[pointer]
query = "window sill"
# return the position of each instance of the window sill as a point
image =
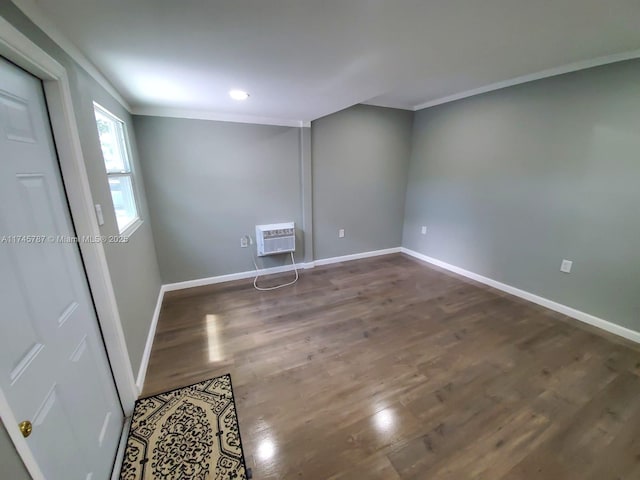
(131, 229)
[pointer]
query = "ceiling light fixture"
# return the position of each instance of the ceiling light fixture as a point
(238, 94)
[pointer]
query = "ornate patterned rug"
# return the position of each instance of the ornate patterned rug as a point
(187, 433)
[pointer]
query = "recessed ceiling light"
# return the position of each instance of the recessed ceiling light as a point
(238, 94)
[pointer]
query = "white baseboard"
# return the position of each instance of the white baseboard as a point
(122, 445)
(356, 256)
(545, 302)
(144, 363)
(201, 282)
(170, 287)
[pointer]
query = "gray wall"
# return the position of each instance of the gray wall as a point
(209, 183)
(360, 159)
(511, 182)
(133, 266)
(11, 464)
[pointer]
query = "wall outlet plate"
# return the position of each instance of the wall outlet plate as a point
(423, 230)
(341, 233)
(565, 266)
(244, 243)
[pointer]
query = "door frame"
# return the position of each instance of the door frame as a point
(19, 49)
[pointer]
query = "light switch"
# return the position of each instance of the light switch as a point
(99, 215)
(424, 230)
(341, 233)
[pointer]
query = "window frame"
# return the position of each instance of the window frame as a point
(129, 172)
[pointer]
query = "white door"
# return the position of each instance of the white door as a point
(53, 367)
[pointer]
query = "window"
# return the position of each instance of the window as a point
(115, 152)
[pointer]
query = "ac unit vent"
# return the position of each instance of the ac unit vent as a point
(276, 238)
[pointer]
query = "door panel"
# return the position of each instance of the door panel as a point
(53, 367)
(18, 126)
(56, 459)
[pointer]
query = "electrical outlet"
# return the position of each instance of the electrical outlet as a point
(341, 233)
(566, 266)
(424, 230)
(243, 242)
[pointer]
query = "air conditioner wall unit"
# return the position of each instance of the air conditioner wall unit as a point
(276, 238)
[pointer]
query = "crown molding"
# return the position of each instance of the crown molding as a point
(395, 106)
(217, 116)
(39, 18)
(551, 72)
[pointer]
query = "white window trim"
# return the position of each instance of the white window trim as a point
(134, 224)
(130, 229)
(18, 48)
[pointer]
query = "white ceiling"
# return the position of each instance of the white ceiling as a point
(303, 59)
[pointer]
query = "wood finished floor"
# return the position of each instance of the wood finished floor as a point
(386, 368)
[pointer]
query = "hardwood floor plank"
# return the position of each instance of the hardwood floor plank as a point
(385, 368)
(582, 436)
(376, 467)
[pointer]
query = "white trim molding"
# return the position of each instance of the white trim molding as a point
(584, 317)
(551, 72)
(201, 282)
(570, 312)
(27, 456)
(16, 47)
(37, 16)
(218, 116)
(355, 256)
(144, 363)
(122, 445)
(34, 12)
(23, 52)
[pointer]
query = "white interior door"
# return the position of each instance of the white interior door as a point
(53, 368)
